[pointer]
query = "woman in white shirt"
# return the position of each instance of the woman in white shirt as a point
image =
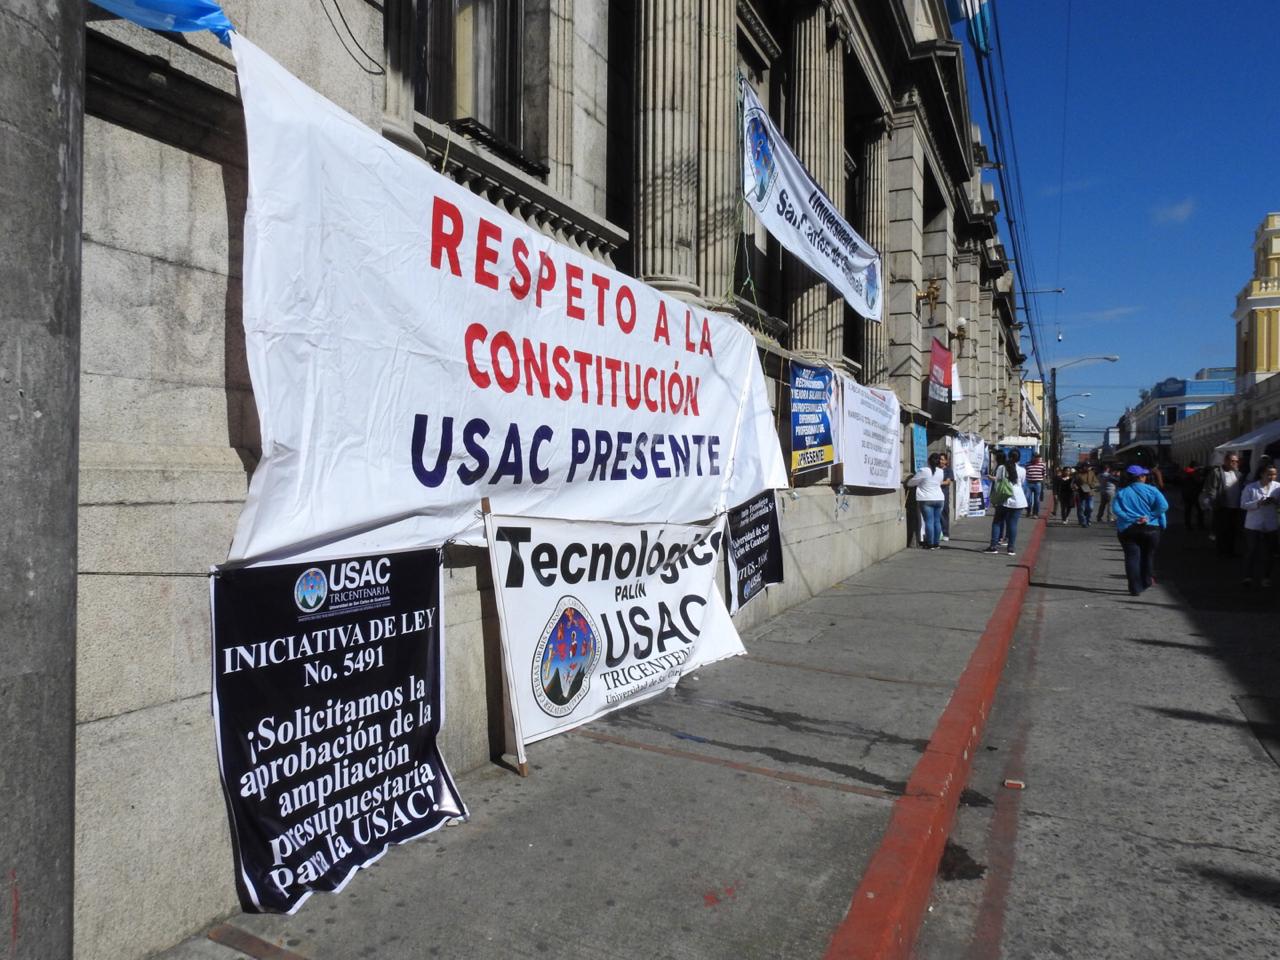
(1005, 522)
(930, 498)
(1259, 501)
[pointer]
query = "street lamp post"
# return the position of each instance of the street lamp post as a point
(1055, 444)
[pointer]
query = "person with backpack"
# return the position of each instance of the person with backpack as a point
(1083, 484)
(1009, 498)
(1108, 484)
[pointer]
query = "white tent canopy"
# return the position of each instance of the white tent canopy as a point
(1018, 442)
(1254, 442)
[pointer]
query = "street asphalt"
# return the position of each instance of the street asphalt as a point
(731, 818)
(1147, 733)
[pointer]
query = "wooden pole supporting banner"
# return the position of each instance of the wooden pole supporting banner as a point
(511, 715)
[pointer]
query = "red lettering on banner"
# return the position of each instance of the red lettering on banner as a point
(476, 333)
(503, 343)
(625, 296)
(546, 277)
(573, 286)
(520, 251)
(704, 345)
(446, 241)
(560, 360)
(601, 283)
(487, 253)
(660, 329)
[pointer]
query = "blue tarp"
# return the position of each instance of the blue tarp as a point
(180, 16)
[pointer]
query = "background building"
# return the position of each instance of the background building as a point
(1257, 334)
(612, 127)
(1146, 431)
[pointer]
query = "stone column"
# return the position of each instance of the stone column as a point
(41, 139)
(875, 204)
(666, 235)
(719, 166)
(817, 135)
(965, 413)
(397, 109)
(904, 259)
(986, 376)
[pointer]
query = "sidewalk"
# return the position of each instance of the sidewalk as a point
(732, 818)
(1147, 732)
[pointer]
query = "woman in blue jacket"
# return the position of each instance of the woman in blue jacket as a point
(1139, 509)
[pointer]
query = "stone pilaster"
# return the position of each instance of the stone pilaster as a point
(875, 205)
(666, 235)
(397, 109)
(817, 135)
(560, 97)
(986, 376)
(965, 413)
(904, 256)
(719, 169)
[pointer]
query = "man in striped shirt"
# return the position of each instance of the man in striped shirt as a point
(1035, 485)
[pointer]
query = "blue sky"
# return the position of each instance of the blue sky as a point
(1172, 158)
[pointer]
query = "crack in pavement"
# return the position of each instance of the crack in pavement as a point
(1171, 841)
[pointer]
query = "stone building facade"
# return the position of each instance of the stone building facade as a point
(613, 127)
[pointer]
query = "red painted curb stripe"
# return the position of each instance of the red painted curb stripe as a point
(889, 904)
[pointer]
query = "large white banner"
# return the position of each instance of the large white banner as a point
(598, 616)
(415, 349)
(870, 436)
(801, 216)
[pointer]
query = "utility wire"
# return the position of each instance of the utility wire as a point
(1062, 168)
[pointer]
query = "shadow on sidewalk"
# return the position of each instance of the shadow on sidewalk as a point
(1237, 624)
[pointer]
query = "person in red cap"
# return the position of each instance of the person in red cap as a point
(1140, 510)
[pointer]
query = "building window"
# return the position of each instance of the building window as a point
(468, 73)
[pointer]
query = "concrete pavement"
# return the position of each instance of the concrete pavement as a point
(731, 818)
(1150, 822)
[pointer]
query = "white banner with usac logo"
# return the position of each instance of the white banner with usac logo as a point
(598, 616)
(801, 216)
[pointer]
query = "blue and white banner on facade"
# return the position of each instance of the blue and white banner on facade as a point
(415, 349)
(814, 405)
(795, 210)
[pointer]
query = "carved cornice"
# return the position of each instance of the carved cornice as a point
(754, 26)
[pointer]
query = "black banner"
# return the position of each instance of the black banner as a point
(753, 549)
(327, 696)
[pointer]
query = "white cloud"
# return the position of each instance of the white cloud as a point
(1174, 212)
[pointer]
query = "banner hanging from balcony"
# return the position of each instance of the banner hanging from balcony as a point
(937, 389)
(327, 702)
(599, 616)
(415, 349)
(801, 216)
(870, 436)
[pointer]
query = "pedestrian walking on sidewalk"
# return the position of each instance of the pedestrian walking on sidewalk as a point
(928, 486)
(1009, 499)
(1140, 511)
(948, 494)
(1035, 485)
(1190, 483)
(1222, 491)
(1083, 484)
(1065, 493)
(1108, 484)
(1259, 500)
